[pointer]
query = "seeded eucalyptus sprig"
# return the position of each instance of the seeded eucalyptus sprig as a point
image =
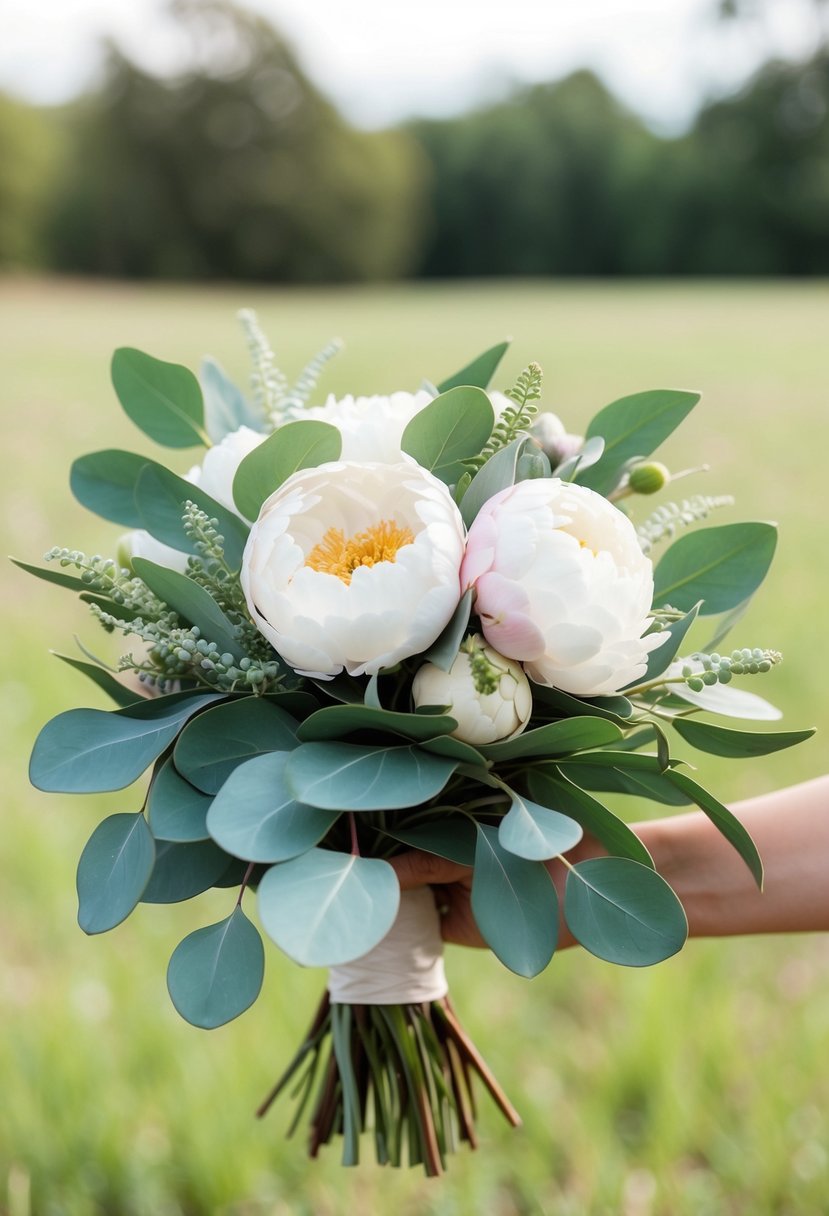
(104, 576)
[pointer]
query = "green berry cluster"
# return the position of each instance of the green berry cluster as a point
(720, 669)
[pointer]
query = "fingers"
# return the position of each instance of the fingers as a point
(417, 869)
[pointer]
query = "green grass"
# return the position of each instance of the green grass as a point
(698, 1088)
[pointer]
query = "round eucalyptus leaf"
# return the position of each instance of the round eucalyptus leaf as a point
(113, 871)
(255, 816)
(183, 870)
(249, 726)
(326, 908)
(175, 809)
(623, 912)
(350, 777)
(514, 904)
(216, 973)
(535, 832)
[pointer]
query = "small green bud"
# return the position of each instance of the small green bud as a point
(709, 678)
(725, 675)
(696, 684)
(648, 478)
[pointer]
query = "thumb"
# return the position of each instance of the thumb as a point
(418, 869)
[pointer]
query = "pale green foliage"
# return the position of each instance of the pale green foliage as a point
(517, 418)
(268, 382)
(297, 397)
(668, 519)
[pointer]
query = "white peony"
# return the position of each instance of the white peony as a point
(354, 565)
(563, 586)
(371, 427)
(482, 717)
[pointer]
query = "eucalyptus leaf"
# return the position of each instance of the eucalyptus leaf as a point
(449, 430)
(452, 835)
(589, 454)
(555, 739)
(514, 904)
(662, 657)
(255, 816)
(325, 908)
(192, 603)
(623, 912)
(499, 472)
(216, 973)
(162, 399)
(615, 709)
(454, 749)
(104, 482)
(349, 777)
(88, 751)
(293, 446)
(72, 582)
(210, 748)
(182, 870)
(444, 651)
(652, 786)
(225, 406)
(633, 426)
(737, 744)
(175, 809)
(337, 721)
(120, 693)
(551, 788)
(113, 871)
(721, 566)
(160, 497)
(480, 371)
(723, 819)
(536, 832)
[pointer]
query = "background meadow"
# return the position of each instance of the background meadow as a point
(697, 1088)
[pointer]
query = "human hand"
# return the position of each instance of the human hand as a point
(452, 887)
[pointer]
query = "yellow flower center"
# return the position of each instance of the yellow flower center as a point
(340, 556)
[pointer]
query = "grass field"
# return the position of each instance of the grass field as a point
(698, 1088)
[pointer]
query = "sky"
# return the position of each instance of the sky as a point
(382, 61)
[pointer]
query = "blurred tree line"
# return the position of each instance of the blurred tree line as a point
(239, 168)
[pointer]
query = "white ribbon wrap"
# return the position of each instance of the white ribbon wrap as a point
(405, 968)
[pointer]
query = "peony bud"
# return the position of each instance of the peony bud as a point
(487, 694)
(648, 478)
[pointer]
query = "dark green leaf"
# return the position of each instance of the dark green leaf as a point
(324, 908)
(163, 399)
(448, 431)
(623, 912)
(72, 581)
(216, 973)
(183, 870)
(514, 904)
(104, 482)
(652, 786)
(721, 566)
(347, 777)
(723, 820)
(664, 655)
(633, 426)
(479, 372)
(535, 832)
(255, 816)
(192, 603)
(113, 871)
(296, 445)
(225, 407)
(738, 744)
(454, 749)
(106, 681)
(175, 810)
(336, 721)
(160, 497)
(210, 748)
(452, 836)
(552, 789)
(614, 709)
(555, 739)
(88, 751)
(444, 651)
(497, 474)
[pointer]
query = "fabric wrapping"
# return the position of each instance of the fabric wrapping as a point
(405, 968)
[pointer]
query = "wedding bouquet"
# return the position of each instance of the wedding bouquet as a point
(424, 620)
